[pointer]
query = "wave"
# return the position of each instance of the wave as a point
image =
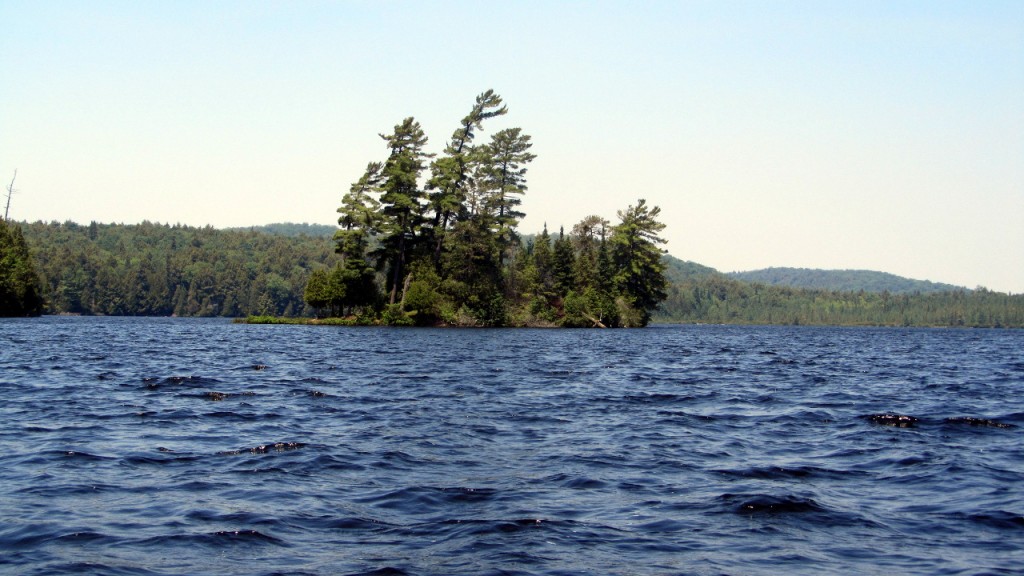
(789, 473)
(770, 504)
(215, 539)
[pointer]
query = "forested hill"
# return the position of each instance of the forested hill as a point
(842, 280)
(677, 271)
(292, 229)
(162, 270)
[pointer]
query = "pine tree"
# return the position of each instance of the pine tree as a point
(450, 174)
(640, 272)
(359, 209)
(542, 259)
(504, 162)
(563, 264)
(20, 288)
(402, 200)
(586, 238)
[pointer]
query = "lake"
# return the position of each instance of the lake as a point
(153, 446)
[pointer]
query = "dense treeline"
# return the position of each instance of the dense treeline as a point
(96, 269)
(442, 230)
(162, 270)
(843, 280)
(20, 290)
(716, 298)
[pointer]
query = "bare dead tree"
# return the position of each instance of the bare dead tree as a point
(10, 192)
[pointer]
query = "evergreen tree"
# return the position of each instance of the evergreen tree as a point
(354, 280)
(20, 291)
(605, 267)
(563, 264)
(586, 238)
(450, 173)
(360, 285)
(640, 272)
(543, 260)
(359, 210)
(317, 292)
(504, 162)
(402, 199)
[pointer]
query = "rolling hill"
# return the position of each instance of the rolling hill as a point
(842, 280)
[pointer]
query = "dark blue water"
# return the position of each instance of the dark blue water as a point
(171, 446)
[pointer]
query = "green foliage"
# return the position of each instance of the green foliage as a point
(452, 172)
(401, 199)
(20, 293)
(503, 178)
(393, 315)
(489, 308)
(722, 300)
(590, 309)
(154, 269)
(639, 270)
(563, 264)
(543, 261)
(318, 291)
(162, 270)
(424, 300)
(359, 215)
(264, 319)
(678, 271)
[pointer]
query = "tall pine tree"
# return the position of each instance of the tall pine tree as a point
(504, 162)
(450, 173)
(640, 272)
(402, 201)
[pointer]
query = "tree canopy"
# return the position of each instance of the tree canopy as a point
(152, 269)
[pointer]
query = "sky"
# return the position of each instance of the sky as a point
(881, 135)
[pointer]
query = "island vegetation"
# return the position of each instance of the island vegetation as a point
(442, 231)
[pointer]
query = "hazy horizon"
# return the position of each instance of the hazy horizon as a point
(866, 136)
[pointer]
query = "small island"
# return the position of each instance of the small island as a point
(448, 252)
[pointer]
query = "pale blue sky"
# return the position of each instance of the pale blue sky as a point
(876, 135)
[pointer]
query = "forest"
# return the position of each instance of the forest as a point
(718, 299)
(153, 269)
